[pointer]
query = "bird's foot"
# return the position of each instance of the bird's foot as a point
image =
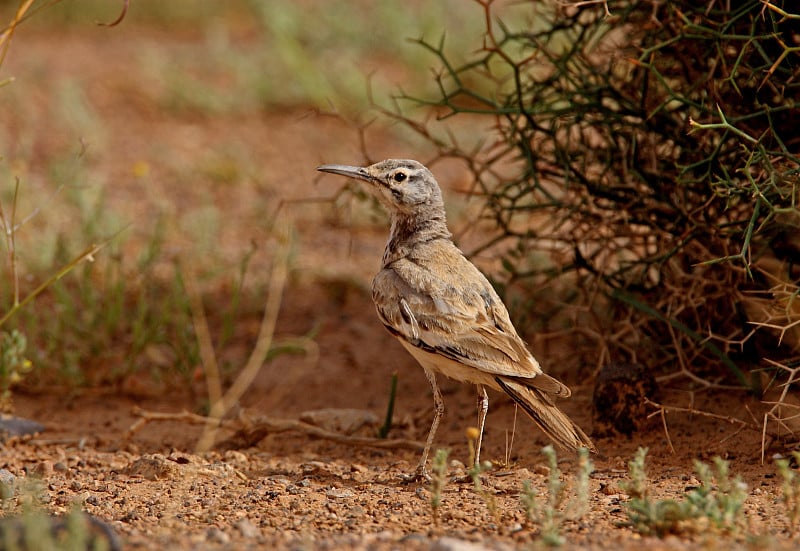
(461, 478)
(473, 473)
(419, 475)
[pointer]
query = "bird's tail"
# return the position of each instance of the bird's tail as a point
(544, 413)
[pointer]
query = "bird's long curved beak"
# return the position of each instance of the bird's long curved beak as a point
(355, 172)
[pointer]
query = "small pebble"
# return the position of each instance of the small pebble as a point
(339, 493)
(543, 470)
(17, 426)
(41, 469)
(130, 516)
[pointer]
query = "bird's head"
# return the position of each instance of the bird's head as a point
(404, 186)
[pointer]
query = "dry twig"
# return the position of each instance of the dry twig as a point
(662, 410)
(221, 403)
(257, 428)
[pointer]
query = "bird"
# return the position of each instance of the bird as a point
(445, 312)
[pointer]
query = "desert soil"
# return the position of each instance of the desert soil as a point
(291, 489)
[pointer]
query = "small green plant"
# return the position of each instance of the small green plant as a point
(13, 343)
(716, 503)
(476, 468)
(719, 498)
(13, 364)
(647, 516)
(8, 490)
(438, 482)
(475, 472)
(550, 514)
(383, 431)
(790, 489)
(580, 505)
(636, 486)
(35, 529)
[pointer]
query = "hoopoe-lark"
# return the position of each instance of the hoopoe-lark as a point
(445, 312)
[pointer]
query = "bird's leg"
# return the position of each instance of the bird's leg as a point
(483, 407)
(438, 411)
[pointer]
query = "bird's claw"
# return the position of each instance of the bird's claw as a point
(461, 479)
(419, 475)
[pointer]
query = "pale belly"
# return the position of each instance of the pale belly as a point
(450, 368)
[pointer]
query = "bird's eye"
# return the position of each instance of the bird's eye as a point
(399, 176)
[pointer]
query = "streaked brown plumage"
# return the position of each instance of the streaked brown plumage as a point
(445, 312)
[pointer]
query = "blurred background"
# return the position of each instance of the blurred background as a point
(177, 139)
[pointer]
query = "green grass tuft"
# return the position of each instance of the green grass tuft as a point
(716, 504)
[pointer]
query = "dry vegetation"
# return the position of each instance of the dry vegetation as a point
(642, 179)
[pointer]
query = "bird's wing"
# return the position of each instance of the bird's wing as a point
(448, 307)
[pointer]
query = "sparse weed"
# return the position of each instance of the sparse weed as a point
(231, 314)
(14, 342)
(528, 501)
(550, 514)
(8, 490)
(715, 504)
(475, 472)
(13, 364)
(33, 528)
(636, 486)
(790, 490)
(383, 431)
(476, 469)
(645, 515)
(126, 319)
(719, 498)
(438, 481)
(580, 505)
